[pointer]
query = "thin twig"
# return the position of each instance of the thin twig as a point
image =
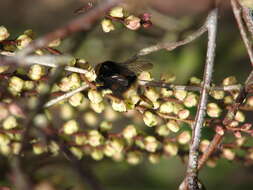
(192, 172)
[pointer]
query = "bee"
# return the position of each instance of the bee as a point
(119, 77)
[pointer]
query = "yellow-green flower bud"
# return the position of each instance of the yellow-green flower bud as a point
(95, 138)
(90, 119)
(229, 81)
(162, 130)
(154, 158)
(105, 125)
(97, 154)
(239, 116)
(195, 81)
(10, 123)
(203, 145)
(183, 114)
(76, 99)
(151, 144)
(173, 126)
(213, 110)
(74, 80)
(4, 68)
(81, 139)
(70, 127)
(4, 34)
(54, 148)
(170, 148)
(150, 119)
(246, 3)
(228, 100)
(180, 94)
(177, 107)
(29, 85)
(98, 107)
(3, 112)
(134, 158)
(39, 148)
(117, 145)
(129, 132)
(228, 154)
(66, 111)
(168, 78)
(36, 72)
(249, 101)
(16, 85)
(217, 94)
(94, 96)
(119, 105)
(145, 75)
(166, 107)
(117, 12)
(166, 92)
(151, 94)
(132, 22)
(184, 137)
(41, 120)
(23, 40)
(4, 139)
(191, 100)
(65, 84)
(91, 75)
(77, 152)
(16, 147)
(107, 25)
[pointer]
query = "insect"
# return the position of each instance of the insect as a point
(119, 77)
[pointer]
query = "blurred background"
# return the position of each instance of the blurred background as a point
(172, 20)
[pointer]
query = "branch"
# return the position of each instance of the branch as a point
(192, 172)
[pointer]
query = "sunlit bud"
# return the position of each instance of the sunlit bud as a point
(219, 130)
(177, 107)
(168, 78)
(39, 148)
(29, 33)
(55, 43)
(162, 130)
(195, 81)
(41, 120)
(16, 147)
(23, 40)
(191, 100)
(10, 123)
(151, 144)
(39, 52)
(97, 154)
(105, 125)
(203, 145)
(16, 84)
(228, 100)
(42, 87)
(4, 68)
(145, 75)
(110, 114)
(184, 137)
(91, 75)
(81, 139)
(183, 114)
(132, 22)
(4, 139)
(170, 148)
(129, 132)
(154, 158)
(75, 80)
(95, 138)
(151, 94)
(119, 105)
(117, 12)
(98, 107)
(156, 105)
(107, 25)
(180, 94)
(240, 141)
(239, 116)
(217, 94)
(65, 84)
(150, 119)
(117, 145)
(4, 34)
(134, 158)
(66, 111)
(90, 119)
(166, 92)
(36, 72)
(5, 149)
(166, 107)
(54, 148)
(29, 85)
(76, 99)
(94, 96)
(118, 157)
(70, 127)
(140, 143)
(228, 154)
(77, 152)
(211, 163)
(249, 101)
(229, 81)
(173, 126)
(213, 110)
(3, 112)
(109, 150)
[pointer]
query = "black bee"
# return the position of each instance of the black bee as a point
(119, 77)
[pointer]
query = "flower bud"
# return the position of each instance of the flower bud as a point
(98, 107)
(211, 163)
(203, 145)
(183, 114)
(229, 81)
(184, 137)
(150, 119)
(170, 148)
(180, 94)
(23, 40)
(173, 126)
(191, 100)
(16, 85)
(151, 94)
(90, 119)
(145, 75)
(107, 25)
(134, 158)
(249, 101)
(132, 22)
(105, 125)
(162, 130)
(39, 148)
(228, 154)
(195, 81)
(29, 85)
(55, 43)
(70, 127)
(81, 139)
(119, 105)
(65, 84)
(129, 132)
(94, 96)
(117, 12)
(10, 123)
(54, 148)
(36, 72)
(75, 80)
(16, 147)
(3, 112)
(166, 92)
(97, 154)
(77, 152)
(166, 108)
(228, 100)
(151, 144)
(4, 68)
(217, 94)
(213, 110)
(168, 78)
(41, 120)
(91, 75)
(4, 34)
(154, 158)
(66, 111)
(94, 138)
(177, 107)
(239, 116)
(76, 99)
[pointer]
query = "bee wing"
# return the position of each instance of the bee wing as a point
(138, 66)
(119, 79)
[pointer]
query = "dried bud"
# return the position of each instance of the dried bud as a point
(191, 100)
(162, 130)
(94, 96)
(229, 81)
(217, 94)
(23, 40)
(166, 108)
(213, 110)
(36, 72)
(129, 132)
(134, 158)
(70, 127)
(119, 105)
(117, 12)
(4, 34)
(107, 25)
(170, 148)
(239, 116)
(180, 94)
(173, 126)
(16, 85)
(150, 119)
(94, 138)
(132, 22)
(76, 99)
(98, 108)
(10, 123)
(184, 137)
(151, 144)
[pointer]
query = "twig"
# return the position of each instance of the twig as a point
(237, 12)
(192, 172)
(247, 16)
